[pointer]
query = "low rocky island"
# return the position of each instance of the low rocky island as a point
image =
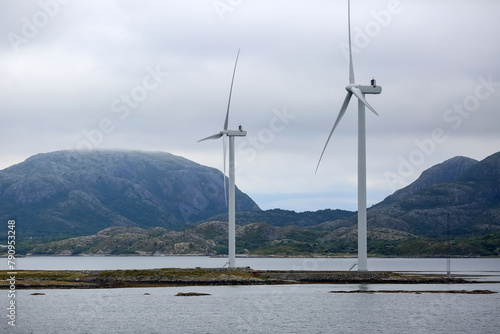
(417, 292)
(94, 279)
(191, 294)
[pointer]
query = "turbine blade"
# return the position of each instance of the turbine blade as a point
(231, 91)
(215, 136)
(351, 66)
(359, 95)
(224, 150)
(339, 117)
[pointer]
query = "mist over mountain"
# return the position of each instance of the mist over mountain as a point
(75, 193)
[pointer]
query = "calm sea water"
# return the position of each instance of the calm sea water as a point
(257, 309)
(458, 265)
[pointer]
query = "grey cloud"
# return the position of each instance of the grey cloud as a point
(427, 57)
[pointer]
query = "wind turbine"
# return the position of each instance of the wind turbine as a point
(231, 134)
(359, 91)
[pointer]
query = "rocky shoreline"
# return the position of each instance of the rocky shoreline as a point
(95, 279)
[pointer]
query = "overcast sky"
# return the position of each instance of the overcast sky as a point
(155, 75)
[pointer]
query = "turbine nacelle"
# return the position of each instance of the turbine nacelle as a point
(235, 133)
(372, 89)
(230, 133)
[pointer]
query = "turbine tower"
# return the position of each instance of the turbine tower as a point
(359, 91)
(231, 209)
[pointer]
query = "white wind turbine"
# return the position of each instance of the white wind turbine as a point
(359, 91)
(231, 134)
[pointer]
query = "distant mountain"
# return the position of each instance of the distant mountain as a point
(278, 217)
(447, 171)
(466, 191)
(126, 202)
(77, 193)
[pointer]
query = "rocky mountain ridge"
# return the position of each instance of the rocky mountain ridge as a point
(460, 191)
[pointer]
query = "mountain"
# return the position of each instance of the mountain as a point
(444, 172)
(210, 238)
(77, 192)
(460, 189)
(278, 217)
(123, 202)
(465, 189)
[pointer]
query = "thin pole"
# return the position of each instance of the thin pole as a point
(448, 263)
(362, 244)
(232, 224)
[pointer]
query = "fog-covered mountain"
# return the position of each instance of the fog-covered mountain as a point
(75, 193)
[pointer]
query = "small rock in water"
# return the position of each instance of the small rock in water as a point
(189, 294)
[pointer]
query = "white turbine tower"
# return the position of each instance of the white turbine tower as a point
(359, 91)
(231, 134)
